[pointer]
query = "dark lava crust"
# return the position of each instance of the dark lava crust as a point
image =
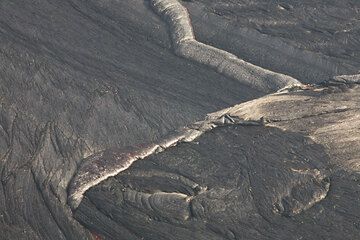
(81, 76)
(232, 183)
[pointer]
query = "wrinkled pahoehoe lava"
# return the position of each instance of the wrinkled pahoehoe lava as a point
(149, 119)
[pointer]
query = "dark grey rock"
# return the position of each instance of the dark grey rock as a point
(78, 77)
(292, 178)
(245, 182)
(309, 40)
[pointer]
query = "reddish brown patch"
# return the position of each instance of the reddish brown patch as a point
(96, 236)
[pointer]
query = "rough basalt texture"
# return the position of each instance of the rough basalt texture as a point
(330, 115)
(104, 164)
(185, 45)
(311, 41)
(86, 85)
(296, 176)
(79, 77)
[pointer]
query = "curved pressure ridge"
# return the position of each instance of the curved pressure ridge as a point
(185, 45)
(110, 162)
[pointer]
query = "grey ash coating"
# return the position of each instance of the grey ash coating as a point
(81, 77)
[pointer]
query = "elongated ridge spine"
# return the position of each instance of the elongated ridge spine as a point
(225, 63)
(110, 162)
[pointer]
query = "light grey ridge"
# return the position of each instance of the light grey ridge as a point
(103, 165)
(100, 166)
(185, 45)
